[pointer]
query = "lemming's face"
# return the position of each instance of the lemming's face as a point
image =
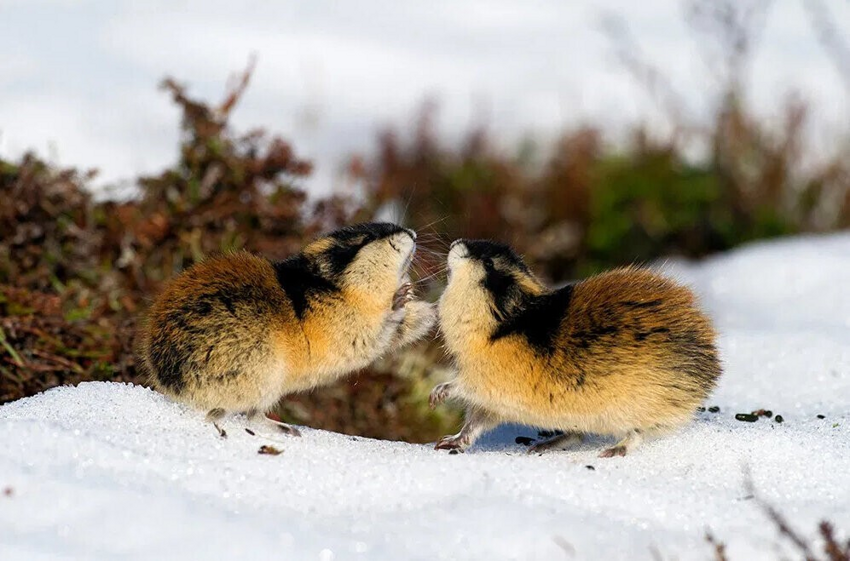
(487, 283)
(372, 257)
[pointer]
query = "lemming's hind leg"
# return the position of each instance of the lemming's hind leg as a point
(255, 417)
(213, 416)
(476, 423)
(559, 442)
(631, 441)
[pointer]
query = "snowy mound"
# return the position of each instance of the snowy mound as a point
(105, 471)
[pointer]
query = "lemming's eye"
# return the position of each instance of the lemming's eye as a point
(488, 263)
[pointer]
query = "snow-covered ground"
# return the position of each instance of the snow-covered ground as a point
(106, 471)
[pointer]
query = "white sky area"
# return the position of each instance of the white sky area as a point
(78, 80)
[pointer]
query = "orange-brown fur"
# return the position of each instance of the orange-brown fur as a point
(260, 338)
(631, 352)
(227, 334)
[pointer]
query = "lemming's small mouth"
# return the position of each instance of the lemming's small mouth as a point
(408, 261)
(410, 256)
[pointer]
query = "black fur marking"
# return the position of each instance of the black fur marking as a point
(500, 264)
(350, 240)
(540, 320)
(226, 298)
(172, 349)
(642, 335)
(371, 230)
(504, 289)
(341, 255)
(301, 282)
(199, 307)
(696, 358)
(178, 352)
(580, 379)
(592, 336)
(168, 360)
(486, 249)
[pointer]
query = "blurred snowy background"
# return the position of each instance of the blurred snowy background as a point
(77, 78)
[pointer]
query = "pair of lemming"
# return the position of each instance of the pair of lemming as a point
(626, 353)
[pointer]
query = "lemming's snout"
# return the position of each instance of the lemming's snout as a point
(457, 251)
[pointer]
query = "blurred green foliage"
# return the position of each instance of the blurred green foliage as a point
(589, 206)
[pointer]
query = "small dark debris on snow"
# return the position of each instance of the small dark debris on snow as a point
(719, 547)
(821, 416)
(565, 545)
(591, 468)
(454, 452)
(524, 440)
(748, 417)
(269, 450)
(779, 419)
(714, 409)
(763, 413)
(8, 491)
(249, 431)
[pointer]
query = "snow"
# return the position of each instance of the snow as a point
(106, 470)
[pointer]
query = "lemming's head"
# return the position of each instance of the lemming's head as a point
(489, 275)
(372, 255)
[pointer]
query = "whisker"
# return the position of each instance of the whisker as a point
(433, 236)
(432, 269)
(440, 242)
(432, 223)
(431, 261)
(403, 217)
(432, 252)
(433, 233)
(431, 276)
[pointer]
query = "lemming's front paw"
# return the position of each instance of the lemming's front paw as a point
(426, 315)
(403, 295)
(439, 394)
